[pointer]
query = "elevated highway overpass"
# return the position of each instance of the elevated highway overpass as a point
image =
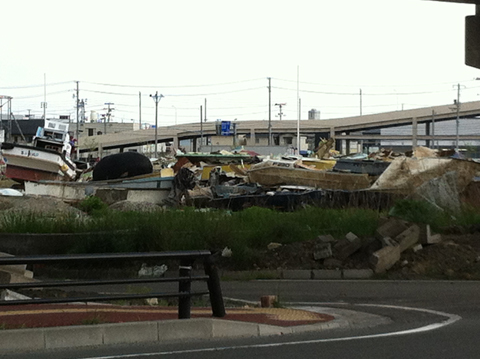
(348, 128)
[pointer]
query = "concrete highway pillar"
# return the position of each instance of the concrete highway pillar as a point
(414, 133)
(176, 142)
(252, 137)
(428, 142)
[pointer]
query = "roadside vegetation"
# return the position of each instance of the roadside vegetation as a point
(244, 232)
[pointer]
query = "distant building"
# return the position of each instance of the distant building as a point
(314, 114)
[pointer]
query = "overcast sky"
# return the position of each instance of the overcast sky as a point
(400, 53)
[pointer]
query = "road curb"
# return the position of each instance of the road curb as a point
(300, 274)
(35, 339)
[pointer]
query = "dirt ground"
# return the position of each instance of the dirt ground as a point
(457, 256)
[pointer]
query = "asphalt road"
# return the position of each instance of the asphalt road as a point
(429, 319)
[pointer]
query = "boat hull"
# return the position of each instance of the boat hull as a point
(138, 188)
(26, 163)
(277, 176)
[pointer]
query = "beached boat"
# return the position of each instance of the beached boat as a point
(48, 158)
(287, 175)
(370, 167)
(142, 186)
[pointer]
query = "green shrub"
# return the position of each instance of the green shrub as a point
(93, 206)
(420, 212)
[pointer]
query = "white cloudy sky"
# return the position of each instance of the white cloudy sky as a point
(401, 53)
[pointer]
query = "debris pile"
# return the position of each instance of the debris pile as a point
(399, 249)
(239, 180)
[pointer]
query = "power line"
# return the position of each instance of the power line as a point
(33, 86)
(177, 86)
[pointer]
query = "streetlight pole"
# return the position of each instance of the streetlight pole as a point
(157, 99)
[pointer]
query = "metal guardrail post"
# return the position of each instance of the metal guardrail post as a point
(184, 289)
(214, 288)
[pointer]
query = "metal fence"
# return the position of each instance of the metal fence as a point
(185, 278)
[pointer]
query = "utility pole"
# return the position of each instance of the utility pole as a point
(280, 105)
(269, 111)
(205, 111)
(78, 105)
(109, 114)
(201, 128)
(44, 103)
(157, 99)
(175, 114)
(361, 102)
(457, 105)
(298, 110)
(140, 110)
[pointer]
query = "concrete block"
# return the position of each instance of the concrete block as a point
(326, 274)
(178, 329)
(133, 332)
(296, 274)
(387, 241)
(351, 237)
(20, 278)
(385, 258)
(417, 248)
(391, 228)
(13, 268)
(345, 248)
(326, 238)
(408, 238)
(322, 250)
(74, 336)
(357, 273)
(19, 340)
(426, 235)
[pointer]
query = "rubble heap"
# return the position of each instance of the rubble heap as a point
(399, 250)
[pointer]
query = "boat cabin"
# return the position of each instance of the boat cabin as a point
(54, 136)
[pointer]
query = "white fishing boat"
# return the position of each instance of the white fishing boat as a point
(47, 158)
(151, 187)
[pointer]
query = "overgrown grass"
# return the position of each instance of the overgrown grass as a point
(245, 232)
(424, 212)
